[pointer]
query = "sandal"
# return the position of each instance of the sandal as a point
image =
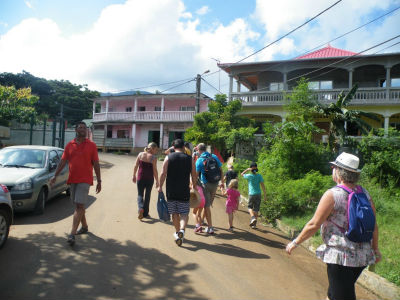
(82, 230)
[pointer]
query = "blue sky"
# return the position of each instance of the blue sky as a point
(115, 45)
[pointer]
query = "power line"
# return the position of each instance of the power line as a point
(290, 32)
(211, 85)
(174, 87)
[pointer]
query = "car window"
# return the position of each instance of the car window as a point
(30, 158)
(54, 159)
(60, 153)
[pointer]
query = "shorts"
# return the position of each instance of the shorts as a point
(230, 209)
(178, 207)
(79, 193)
(254, 202)
(209, 190)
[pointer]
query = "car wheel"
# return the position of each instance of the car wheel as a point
(41, 202)
(5, 222)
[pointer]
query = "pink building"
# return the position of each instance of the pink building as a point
(130, 122)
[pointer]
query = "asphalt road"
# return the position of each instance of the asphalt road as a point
(124, 258)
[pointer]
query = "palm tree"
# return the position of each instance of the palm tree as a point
(339, 115)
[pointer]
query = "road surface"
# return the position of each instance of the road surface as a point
(124, 258)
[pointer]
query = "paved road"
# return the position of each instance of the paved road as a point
(123, 258)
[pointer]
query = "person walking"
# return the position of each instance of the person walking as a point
(255, 180)
(178, 168)
(232, 202)
(81, 156)
(209, 188)
(345, 259)
(146, 162)
(230, 174)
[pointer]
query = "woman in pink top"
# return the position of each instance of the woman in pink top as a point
(146, 162)
(232, 202)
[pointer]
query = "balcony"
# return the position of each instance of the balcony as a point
(151, 116)
(363, 96)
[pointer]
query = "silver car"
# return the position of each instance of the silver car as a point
(27, 170)
(6, 214)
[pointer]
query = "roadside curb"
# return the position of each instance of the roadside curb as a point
(378, 285)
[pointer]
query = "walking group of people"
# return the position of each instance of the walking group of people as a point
(348, 246)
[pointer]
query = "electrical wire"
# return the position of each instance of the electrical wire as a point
(174, 87)
(290, 32)
(211, 85)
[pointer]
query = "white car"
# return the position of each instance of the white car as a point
(6, 214)
(27, 170)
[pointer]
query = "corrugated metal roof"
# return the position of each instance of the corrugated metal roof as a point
(328, 51)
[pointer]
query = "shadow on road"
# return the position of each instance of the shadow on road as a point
(55, 210)
(45, 267)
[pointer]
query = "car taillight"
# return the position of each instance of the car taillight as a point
(5, 189)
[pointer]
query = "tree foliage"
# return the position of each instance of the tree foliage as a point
(76, 99)
(16, 104)
(220, 126)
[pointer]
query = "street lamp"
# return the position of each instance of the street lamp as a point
(198, 84)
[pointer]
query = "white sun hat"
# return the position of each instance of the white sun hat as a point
(348, 162)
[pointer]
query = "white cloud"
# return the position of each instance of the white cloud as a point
(135, 44)
(279, 17)
(29, 4)
(203, 10)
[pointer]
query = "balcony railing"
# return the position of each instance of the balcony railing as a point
(362, 96)
(144, 116)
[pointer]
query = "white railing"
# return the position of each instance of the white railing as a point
(146, 116)
(362, 96)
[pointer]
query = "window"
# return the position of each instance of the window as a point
(157, 108)
(276, 86)
(128, 109)
(187, 108)
(320, 85)
(122, 134)
(142, 108)
(395, 82)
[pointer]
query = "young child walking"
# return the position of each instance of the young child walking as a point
(232, 202)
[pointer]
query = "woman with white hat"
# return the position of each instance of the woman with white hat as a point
(345, 259)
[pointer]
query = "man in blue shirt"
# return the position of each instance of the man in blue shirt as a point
(255, 181)
(209, 189)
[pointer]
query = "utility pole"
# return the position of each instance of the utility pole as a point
(198, 85)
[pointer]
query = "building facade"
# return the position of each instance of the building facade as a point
(130, 122)
(261, 86)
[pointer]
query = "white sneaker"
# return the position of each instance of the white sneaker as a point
(253, 222)
(181, 234)
(210, 230)
(178, 240)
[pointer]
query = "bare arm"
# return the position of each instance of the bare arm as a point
(96, 167)
(245, 171)
(375, 238)
(323, 211)
(163, 174)
(60, 166)
(194, 175)
(263, 188)
(135, 168)
(155, 172)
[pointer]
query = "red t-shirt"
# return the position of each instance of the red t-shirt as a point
(80, 159)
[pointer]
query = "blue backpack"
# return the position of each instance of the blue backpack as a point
(162, 208)
(360, 216)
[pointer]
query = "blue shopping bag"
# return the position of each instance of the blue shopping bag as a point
(162, 208)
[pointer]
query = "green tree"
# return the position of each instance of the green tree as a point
(339, 115)
(16, 104)
(220, 126)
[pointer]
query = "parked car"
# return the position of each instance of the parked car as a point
(6, 214)
(27, 170)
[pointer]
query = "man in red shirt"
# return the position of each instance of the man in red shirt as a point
(82, 158)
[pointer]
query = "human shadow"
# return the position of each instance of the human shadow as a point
(56, 209)
(43, 266)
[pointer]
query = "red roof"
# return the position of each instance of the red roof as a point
(327, 52)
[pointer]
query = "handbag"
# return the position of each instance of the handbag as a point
(162, 208)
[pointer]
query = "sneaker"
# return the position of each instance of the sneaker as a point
(71, 239)
(82, 230)
(178, 240)
(210, 230)
(230, 229)
(181, 234)
(198, 229)
(141, 211)
(253, 222)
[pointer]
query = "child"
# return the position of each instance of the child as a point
(232, 202)
(255, 181)
(230, 174)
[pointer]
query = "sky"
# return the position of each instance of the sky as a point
(149, 45)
